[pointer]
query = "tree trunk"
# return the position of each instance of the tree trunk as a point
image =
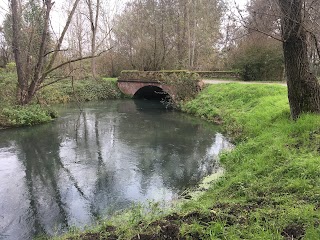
(94, 27)
(22, 84)
(303, 86)
(36, 81)
(29, 83)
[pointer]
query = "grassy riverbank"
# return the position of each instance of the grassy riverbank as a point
(271, 188)
(39, 111)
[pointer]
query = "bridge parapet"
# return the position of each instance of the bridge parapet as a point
(156, 76)
(178, 84)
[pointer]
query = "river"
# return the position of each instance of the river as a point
(85, 166)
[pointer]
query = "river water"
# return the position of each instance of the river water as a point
(83, 167)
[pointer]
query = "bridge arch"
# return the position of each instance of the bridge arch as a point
(157, 83)
(151, 92)
(138, 89)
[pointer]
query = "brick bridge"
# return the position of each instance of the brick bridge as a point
(151, 84)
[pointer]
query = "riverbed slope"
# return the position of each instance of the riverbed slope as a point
(271, 185)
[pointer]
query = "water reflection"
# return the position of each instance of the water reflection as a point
(83, 167)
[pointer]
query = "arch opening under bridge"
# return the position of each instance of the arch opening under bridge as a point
(151, 92)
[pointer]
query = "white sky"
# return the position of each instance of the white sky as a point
(60, 4)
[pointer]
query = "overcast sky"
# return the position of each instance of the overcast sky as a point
(59, 4)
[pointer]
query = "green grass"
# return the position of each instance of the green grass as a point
(271, 188)
(275, 166)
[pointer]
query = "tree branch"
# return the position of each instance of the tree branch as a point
(74, 60)
(60, 50)
(257, 29)
(58, 46)
(316, 43)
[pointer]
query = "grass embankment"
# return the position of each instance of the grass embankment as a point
(39, 111)
(271, 188)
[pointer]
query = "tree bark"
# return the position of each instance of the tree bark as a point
(29, 83)
(22, 85)
(43, 47)
(94, 27)
(303, 86)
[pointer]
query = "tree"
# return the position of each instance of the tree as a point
(294, 23)
(4, 50)
(303, 86)
(258, 58)
(93, 18)
(167, 34)
(32, 71)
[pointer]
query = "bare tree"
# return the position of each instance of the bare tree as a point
(93, 18)
(166, 34)
(30, 83)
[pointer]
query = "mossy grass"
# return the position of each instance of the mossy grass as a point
(271, 185)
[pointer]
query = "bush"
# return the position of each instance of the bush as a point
(27, 115)
(12, 115)
(84, 90)
(186, 83)
(8, 86)
(259, 61)
(11, 67)
(97, 90)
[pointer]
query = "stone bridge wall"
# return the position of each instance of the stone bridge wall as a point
(130, 88)
(129, 82)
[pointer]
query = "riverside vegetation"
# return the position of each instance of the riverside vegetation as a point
(39, 111)
(271, 186)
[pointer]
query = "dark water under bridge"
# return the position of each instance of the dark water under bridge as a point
(152, 84)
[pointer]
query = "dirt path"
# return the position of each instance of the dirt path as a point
(217, 81)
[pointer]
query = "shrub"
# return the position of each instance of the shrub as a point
(27, 115)
(259, 61)
(11, 67)
(84, 90)
(186, 83)
(97, 90)
(8, 88)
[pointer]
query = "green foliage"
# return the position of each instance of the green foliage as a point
(60, 92)
(97, 90)
(7, 88)
(133, 26)
(11, 67)
(27, 115)
(186, 84)
(259, 61)
(84, 90)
